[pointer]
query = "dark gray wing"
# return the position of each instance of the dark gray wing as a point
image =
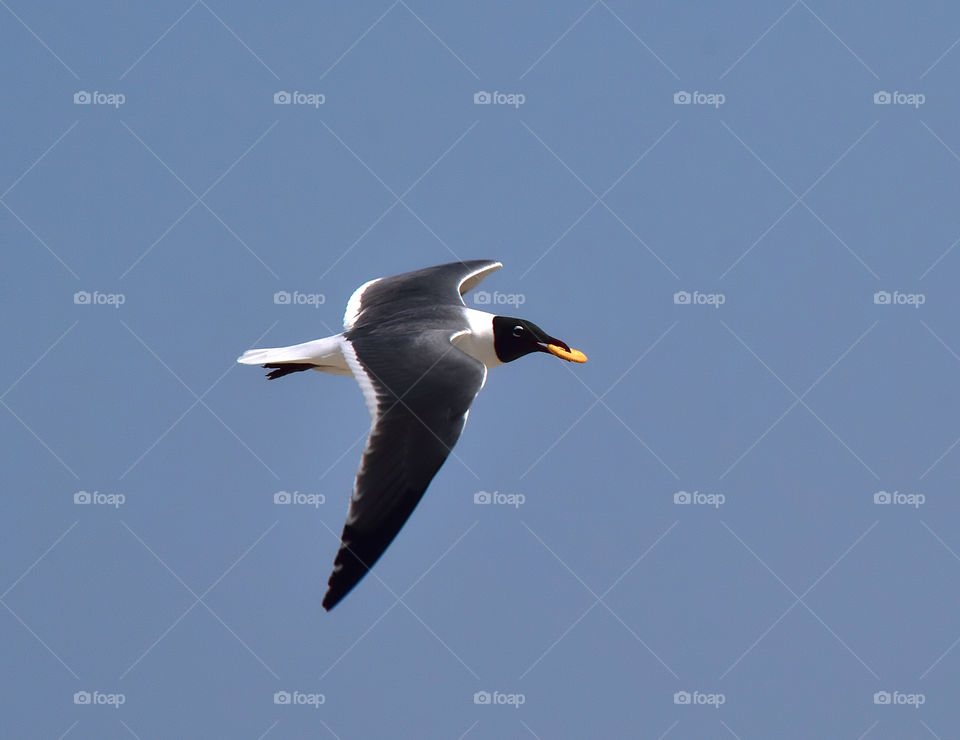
(419, 388)
(442, 285)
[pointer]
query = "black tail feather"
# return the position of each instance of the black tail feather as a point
(285, 368)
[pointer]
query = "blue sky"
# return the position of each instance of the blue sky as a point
(737, 520)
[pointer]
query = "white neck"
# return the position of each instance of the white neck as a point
(478, 340)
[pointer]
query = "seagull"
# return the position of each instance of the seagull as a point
(420, 357)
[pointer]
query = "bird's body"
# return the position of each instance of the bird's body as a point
(420, 357)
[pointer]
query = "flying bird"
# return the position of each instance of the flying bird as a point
(420, 357)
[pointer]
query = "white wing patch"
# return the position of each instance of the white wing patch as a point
(471, 281)
(370, 396)
(353, 305)
(363, 379)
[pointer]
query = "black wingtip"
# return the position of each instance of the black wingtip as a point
(354, 560)
(285, 368)
(341, 583)
(335, 593)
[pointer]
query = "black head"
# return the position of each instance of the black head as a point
(513, 338)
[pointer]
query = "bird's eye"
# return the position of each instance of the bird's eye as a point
(518, 331)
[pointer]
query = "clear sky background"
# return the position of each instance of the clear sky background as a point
(781, 401)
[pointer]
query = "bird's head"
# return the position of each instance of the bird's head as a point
(513, 338)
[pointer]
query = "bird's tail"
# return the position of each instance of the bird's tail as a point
(321, 354)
